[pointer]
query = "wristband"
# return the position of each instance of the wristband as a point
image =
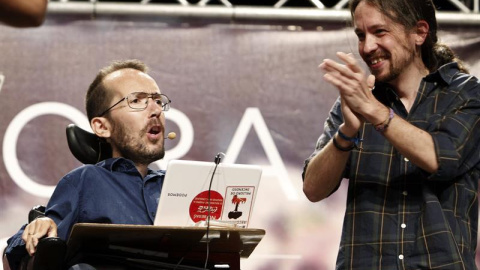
(384, 125)
(355, 140)
(339, 147)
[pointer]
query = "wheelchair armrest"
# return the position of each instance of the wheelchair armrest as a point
(37, 211)
(50, 254)
(51, 251)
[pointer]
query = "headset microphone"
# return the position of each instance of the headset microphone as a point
(171, 136)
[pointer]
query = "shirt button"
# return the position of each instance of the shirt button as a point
(406, 159)
(405, 193)
(400, 256)
(403, 225)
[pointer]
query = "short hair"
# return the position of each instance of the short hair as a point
(98, 98)
(408, 13)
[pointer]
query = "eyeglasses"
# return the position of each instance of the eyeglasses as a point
(139, 101)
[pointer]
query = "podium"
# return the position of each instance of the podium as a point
(155, 247)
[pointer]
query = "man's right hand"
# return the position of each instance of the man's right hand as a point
(344, 77)
(36, 230)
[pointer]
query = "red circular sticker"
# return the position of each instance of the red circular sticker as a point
(199, 206)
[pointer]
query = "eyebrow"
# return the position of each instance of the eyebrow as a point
(148, 93)
(372, 27)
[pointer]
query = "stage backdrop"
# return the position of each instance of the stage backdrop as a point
(253, 92)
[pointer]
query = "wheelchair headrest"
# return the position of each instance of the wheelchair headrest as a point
(87, 147)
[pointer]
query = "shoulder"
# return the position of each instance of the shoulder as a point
(455, 79)
(83, 173)
(85, 169)
(105, 167)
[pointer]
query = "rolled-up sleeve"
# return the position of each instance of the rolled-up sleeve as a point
(333, 121)
(456, 134)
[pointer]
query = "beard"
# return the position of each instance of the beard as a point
(397, 65)
(131, 147)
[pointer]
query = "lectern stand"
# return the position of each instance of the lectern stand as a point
(154, 247)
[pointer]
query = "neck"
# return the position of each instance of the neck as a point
(142, 169)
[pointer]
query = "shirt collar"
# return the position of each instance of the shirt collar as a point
(126, 166)
(445, 74)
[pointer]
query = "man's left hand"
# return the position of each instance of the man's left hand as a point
(354, 86)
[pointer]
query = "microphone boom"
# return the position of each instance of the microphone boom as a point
(171, 136)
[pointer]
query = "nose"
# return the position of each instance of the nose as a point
(154, 109)
(369, 44)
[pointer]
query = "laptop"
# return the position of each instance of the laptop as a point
(185, 199)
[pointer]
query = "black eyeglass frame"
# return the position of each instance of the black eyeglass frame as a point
(165, 106)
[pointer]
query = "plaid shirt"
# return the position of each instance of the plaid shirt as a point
(399, 216)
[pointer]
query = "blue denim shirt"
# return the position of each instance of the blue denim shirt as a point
(112, 191)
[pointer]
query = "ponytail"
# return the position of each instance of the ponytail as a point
(441, 54)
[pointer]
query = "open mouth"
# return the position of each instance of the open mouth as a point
(154, 130)
(376, 60)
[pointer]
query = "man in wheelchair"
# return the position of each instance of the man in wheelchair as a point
(125, 108)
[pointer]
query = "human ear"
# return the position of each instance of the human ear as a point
(421, 32)
(101, 127)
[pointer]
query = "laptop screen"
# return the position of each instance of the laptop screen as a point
(185, 199)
